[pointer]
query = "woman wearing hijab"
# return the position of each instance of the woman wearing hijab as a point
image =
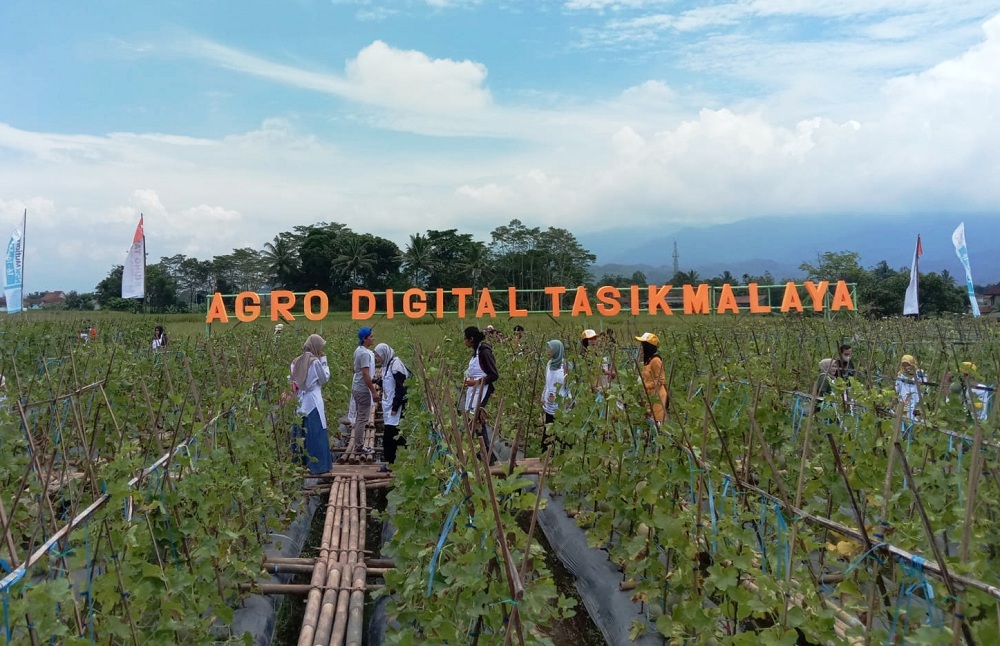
(309, 372)
(394, 374)
(555, 385)
(479, 378)
(908, 385)
(653, 377)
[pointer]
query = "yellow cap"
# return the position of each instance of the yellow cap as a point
(650, 338)
(588, 334)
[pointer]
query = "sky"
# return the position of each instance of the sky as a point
(224, 123)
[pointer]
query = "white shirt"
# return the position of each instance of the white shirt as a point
(555, 381)
(311, 396)
(389, 392)
(363, 358)
(908, 391)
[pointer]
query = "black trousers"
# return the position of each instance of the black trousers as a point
(391, 440)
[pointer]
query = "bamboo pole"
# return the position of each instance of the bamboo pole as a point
(338, 537)
(319, 576)
(356, 618)
(348, 556)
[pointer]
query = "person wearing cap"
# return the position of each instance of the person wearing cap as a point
(278, 329)
(363, 390)
(653, 377)
(908, 383)
(555, 386)
(309, 371)
(596, 341)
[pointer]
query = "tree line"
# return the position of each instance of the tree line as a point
(335, 259)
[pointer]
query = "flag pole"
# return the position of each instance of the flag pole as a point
(145, 303)
(24, 252)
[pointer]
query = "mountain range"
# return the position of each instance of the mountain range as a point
(781, 244)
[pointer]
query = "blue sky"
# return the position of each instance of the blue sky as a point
(227, 122)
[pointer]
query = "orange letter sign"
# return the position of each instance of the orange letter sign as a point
(791, 299)
(217, 311)
(356, 296)
(247, 313)
(842, 298)
(696, 302)
(608, 301)
(727, 301)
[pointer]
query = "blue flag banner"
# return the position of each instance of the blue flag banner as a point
(958, 239)
(14, 271)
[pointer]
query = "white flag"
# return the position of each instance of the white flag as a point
(911, 305)
(958, 239)
(134, 272)
(13, 287)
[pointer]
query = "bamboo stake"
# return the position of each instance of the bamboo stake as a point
(972, 491)
(945, 575)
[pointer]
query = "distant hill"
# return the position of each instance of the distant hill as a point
(780, 245)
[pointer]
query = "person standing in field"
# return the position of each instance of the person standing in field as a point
(972, 393)
(595, 343)
(363, 389)
(908, 383)
(159, 338)
(479, 379)
(653, 377)
(555, 386)
(394, 374)
(309, 372)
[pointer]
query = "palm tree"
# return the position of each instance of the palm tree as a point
(356, 261)
(418, 259)
(477, 261)
(280, 261)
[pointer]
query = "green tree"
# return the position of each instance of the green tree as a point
(418, 260)
(449, 249)
(110, 287)
(355, 261)
(281, 261)
(834, 266)
(77, 301)
(161, 288)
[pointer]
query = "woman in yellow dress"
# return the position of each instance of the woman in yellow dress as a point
(653, 377)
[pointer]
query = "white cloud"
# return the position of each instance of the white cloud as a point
(379, 75)
(410, 80)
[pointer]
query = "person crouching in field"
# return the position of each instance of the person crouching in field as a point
(479, 379)
(309, 372)
(653, 377)
(394, 374)
(555, 386)
(363, 389)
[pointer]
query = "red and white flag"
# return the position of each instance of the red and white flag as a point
(911, 305)
(134, 272)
